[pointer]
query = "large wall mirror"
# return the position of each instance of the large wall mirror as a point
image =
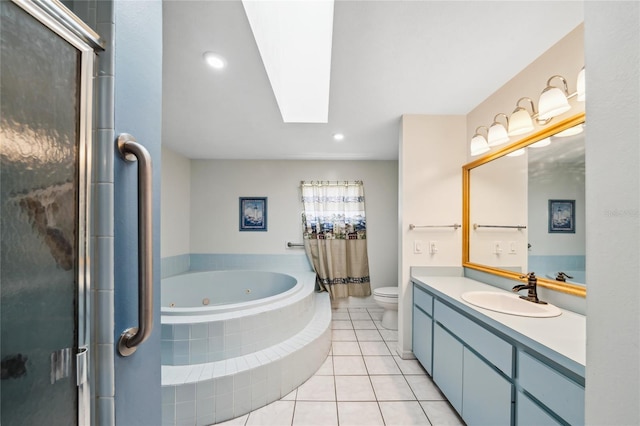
(524, 208)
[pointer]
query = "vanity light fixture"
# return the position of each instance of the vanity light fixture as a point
(520, 121)
(516, 153)
(541, 143)
(479, 143)
(581, 86)
(553, 100)
(497, 132)
(214, 60)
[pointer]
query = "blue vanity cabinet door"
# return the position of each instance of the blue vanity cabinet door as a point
(447, 365)
(422, 338)
(528, 413)
(487, 397)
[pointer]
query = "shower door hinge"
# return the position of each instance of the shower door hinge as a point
(60, 364)
(81, 366)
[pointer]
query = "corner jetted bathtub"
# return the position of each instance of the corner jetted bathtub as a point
(209, 292)
(234, 341)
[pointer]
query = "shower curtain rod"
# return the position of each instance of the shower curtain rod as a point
(330, 183)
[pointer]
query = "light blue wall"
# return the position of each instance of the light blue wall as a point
(138, 111)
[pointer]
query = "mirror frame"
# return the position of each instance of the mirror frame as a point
(547, 131)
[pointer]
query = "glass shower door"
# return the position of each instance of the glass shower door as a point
(41, 221)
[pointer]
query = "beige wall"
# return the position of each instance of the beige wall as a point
(433, 150)
(176, 196)
(498, 196)
(612, 41)
(565, 58)
(430, 160)
(200, 206)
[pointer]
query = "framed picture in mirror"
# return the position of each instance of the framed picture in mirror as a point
(562, 216)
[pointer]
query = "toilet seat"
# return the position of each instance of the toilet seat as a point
(386, 292)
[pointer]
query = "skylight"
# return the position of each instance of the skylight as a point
(294, 39)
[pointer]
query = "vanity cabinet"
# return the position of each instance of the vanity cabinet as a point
(474, 385)
(554, 390)
(492, 376)
(422, 327)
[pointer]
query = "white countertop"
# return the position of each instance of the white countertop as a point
(564, 335)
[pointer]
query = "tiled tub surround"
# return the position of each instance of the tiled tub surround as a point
(233, 330)
(292, 262)
(242, 360)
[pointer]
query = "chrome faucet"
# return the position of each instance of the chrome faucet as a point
(531, 286)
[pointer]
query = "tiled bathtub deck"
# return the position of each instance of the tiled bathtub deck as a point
(360, 383)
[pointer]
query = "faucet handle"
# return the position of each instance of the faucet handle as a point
(530, 276)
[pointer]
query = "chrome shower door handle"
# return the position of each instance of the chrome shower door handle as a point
(131, 150)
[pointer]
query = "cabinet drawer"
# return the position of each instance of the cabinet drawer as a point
(530, 414)
(559, 393)
(423, 300)
(490, 346)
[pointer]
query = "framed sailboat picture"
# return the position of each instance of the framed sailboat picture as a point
(253, 213)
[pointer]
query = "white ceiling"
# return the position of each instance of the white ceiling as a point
(389, 58)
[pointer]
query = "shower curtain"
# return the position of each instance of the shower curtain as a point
(335, 236)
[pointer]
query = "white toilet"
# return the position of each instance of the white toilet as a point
(387, 297)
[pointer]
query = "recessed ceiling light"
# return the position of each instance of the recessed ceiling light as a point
(338, 136)
(214, 60)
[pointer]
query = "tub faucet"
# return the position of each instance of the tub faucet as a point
(531, 286)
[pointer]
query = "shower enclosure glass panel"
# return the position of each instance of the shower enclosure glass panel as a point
(39, 226)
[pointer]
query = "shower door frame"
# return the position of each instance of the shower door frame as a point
(60, 20)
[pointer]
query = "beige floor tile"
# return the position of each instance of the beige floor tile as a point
(326, 369)
(359, 414)
(346, 348)
(376, 315)
(389, 335)
(409, 366)
(403, 413)
(360, 316)
(424, 388)
(368, 335)
(238, 421)
(441, 413)
(276, 413)
(344, 335)
(392, 388)
(385, 365)
(354, 388)
(374, 348)
(349, 366)
(341, 325)
(309, 413)
(291, 396)
(317, 388)
(363, 324)
(344, 316)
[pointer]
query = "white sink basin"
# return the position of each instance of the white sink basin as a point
(510, 304)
